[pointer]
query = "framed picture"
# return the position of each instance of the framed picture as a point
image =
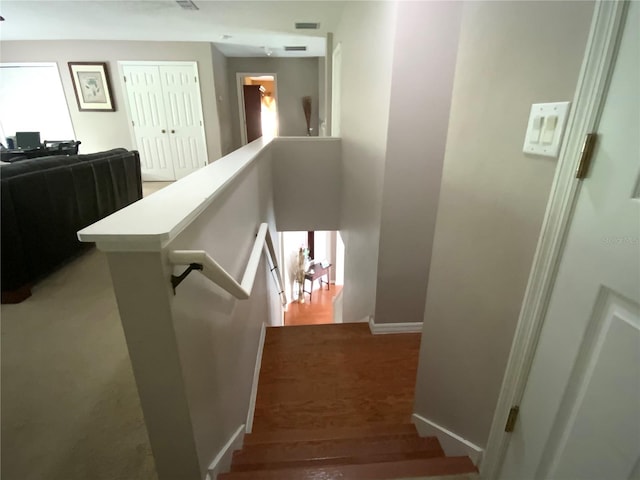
(92, 87)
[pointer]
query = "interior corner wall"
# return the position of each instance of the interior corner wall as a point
(492, 201)
(297, 78)
(322, 125)
(426, 45)
(328, 87)
(100, 131)
(223, 99)
(366, 35)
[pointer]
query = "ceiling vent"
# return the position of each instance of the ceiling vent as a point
(187, 5)
(307, 25)
(295, 48)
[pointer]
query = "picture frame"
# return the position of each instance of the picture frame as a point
(92, 86)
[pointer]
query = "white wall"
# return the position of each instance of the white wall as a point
(307, 184)
(366, 35)
(223, 99)
(426, 45)
(297, 78)
(492, 201)
(105, 130)
(218, 335)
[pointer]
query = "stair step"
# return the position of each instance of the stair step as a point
(329, 462)
(280, 436)
(370, 471)
(336, 451)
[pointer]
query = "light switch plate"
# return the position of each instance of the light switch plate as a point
(550, 113)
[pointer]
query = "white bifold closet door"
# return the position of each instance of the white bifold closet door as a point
(166, 114)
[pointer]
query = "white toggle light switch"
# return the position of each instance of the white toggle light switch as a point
(549, 129)
(545, 128)
(537, 128)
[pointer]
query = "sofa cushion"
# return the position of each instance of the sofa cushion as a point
(47, 201)
(45, 163)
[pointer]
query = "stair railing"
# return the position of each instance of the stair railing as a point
(201, 261)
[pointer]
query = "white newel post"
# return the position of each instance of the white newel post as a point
(143, 292)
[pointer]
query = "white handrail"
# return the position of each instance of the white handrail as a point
(214, 272)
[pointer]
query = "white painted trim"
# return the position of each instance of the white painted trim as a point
(123, 230)
(305, 139)
(222, 462)
(590, 94)
(256, 377)
(452, 444)
(240, 92)
(388, 328)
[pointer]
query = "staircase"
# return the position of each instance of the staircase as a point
(335, 402)
(367, 453)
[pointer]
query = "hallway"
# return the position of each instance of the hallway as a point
(317, 311)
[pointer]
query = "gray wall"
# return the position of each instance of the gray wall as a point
(307, 186)
(366, 35)
(104, 130)
(492, 201)
(297, 78)
(223, 99)
(426, 45)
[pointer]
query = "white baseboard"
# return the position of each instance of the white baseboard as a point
(384, 328)
(222, 462)
(452, 444)
(256, 378)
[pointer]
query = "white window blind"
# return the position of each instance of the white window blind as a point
(32, 100)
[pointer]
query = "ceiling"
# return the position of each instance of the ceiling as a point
(238, 28)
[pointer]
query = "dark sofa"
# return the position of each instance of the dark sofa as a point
(45, 201)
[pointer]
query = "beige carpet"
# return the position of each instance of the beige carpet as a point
(70, 408)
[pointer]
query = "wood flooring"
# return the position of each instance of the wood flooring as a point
(317, 311)
(335, 402)
(335, 376)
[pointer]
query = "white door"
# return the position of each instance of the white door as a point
(146, 107)
(184, 117)
(580, 414)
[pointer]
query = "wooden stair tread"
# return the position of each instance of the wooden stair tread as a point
(279, 436)
(347, 451)
(370, 471)
(333, 461)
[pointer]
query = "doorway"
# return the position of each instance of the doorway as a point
(315, 300)
(257, 101)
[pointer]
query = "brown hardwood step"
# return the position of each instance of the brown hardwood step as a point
(368, 431)
(326, 462)
(370, 471)
(336, 451)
